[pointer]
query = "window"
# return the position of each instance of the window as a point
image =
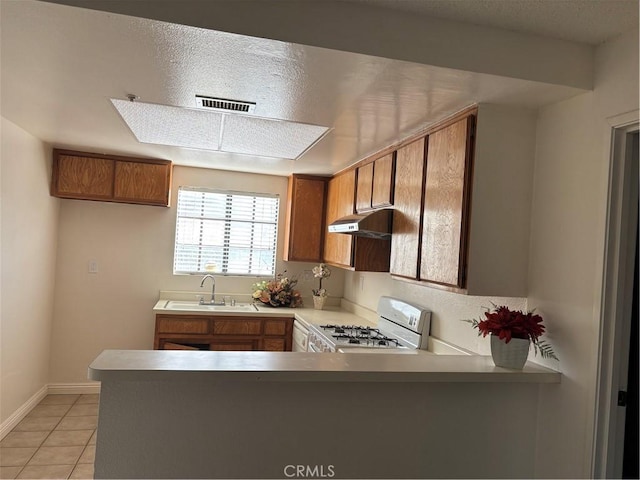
(230, 233)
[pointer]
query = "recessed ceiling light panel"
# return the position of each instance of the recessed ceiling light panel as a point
(167, 125)
(268, 138)
(214, 130)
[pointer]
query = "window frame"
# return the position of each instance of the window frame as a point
(227, 247)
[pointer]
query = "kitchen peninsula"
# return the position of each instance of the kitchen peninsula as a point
(186, 414)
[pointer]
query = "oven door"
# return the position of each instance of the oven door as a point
(397, 351)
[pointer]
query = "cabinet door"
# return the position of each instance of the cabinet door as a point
(277, 327)
(237, 326)
(445, 205)
(142, 182)
(274, 344)
(82, 177)
(383, 174)
(364, 187)
(304, 231)
(407, 215)
(177, 324)
(182, 344)
(340, 198)
(242, 344)
(91, 176)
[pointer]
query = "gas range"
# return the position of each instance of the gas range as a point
(401, 326)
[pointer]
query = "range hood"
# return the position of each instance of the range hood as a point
(376, 224)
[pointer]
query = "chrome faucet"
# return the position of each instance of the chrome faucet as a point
(213, 291)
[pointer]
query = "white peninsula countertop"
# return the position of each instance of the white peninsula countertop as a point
(308, 367)
(171, 413)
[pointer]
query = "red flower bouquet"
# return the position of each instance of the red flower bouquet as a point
(507, 324)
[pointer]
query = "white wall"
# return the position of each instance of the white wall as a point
(447, 309)
(565, 260)
(567, 250)
(28, 251)
(133, 247)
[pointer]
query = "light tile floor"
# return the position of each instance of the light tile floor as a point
(57, 439)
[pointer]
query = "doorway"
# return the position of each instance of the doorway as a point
(630, 461)
(616, 436)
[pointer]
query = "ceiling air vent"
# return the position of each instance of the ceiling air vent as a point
(225, 104)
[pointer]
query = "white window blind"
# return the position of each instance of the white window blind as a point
(230, 233)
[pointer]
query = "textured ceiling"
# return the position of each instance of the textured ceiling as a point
(62, 64)
(586, 21)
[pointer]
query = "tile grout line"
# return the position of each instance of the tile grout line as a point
(45, 439)
(74, 465)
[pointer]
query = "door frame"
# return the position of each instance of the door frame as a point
(616, 297)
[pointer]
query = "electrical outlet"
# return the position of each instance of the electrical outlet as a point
(361, 283)
(93, 266)
(307, 275)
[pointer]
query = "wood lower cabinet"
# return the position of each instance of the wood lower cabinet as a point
(90, 176)
(217, 332)
(238, 344)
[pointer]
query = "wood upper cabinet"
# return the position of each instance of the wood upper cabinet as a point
(446, 204)
(89, 176)
(347, 251)
(467, 229)
(340, 199)
(305, 220)
(407, 215)
(375, 184)
(82, 177)
(383, 181)
(364, 187)
(219, 332)
(137, 182)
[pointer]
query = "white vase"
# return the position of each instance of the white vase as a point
(509, 355)
(318, 301)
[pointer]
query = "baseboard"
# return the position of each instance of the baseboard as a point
(51, 389)
(16, 417)
(73, 388)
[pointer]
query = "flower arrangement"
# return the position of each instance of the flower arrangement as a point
(278, 292)
(320, 271)
(507, 324)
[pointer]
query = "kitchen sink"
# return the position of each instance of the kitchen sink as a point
(184, 305)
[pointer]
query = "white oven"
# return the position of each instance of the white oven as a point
(402, 326)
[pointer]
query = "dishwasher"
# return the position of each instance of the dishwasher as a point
(300, 337)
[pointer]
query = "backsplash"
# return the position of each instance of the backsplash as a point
(448, 309)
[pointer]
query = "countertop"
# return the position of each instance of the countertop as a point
(330, 315)
(115, 365)
(355, 365)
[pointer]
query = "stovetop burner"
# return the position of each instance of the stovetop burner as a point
(359, 335)
(401, 325)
